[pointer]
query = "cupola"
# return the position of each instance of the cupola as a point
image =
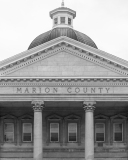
(62, 26)
(62, 16)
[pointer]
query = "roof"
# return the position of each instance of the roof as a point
(63, 9)
(58, 32)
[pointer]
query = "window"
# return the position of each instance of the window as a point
(54, 132)
(62, 20)
(26, 129)
(69, 21)
(8, 132)
(118, 132)
(99, 132)
(54, 129)
(27, 132)
(63, 130)
(118, 128)
(72, 132)
(8, 129)
(101, 129)
(56, 21)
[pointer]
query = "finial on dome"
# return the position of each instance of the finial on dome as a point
(62, 4)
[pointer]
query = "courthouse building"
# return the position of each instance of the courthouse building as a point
(63, 98)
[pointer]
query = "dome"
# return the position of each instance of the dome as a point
(62, 31)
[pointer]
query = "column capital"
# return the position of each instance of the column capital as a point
(89, 105)
(38, 105)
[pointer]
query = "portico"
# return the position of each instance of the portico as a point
(38, 132)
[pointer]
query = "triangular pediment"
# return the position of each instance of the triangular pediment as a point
(118, 116)
(63, 64)
(54, 117)
(25, 117)
(101, 117)
(64, 57)
(72, 117)
(8, 116)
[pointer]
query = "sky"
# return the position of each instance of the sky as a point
(104, 21)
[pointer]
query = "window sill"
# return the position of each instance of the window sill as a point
(8, 143)
(23, 143)
(27, 142)
(72, 144)
(63, 144)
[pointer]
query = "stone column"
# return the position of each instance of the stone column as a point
(38, 140)
(89, 130)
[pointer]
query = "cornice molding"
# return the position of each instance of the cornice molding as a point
(29, 60)
(81, 98)
(62, 82)
(68, 45)
(89, 56)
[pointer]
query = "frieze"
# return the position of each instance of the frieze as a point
(64, 90)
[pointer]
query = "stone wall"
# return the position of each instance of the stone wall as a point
(63, 150)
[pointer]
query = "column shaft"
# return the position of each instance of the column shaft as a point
(38, 144)
(38, 137)
(89, 131)
(89, 136)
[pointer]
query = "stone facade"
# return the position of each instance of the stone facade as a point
(63, 112)
(63, 102)
(63, 99)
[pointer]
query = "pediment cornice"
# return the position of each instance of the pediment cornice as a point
(73, 47)
(101, 117)
(26, 117)
(118, 116)
(54, 117)
(8, 116)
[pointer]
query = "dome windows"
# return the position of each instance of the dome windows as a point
(62, 20)
(56, 21)
(69, 21)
